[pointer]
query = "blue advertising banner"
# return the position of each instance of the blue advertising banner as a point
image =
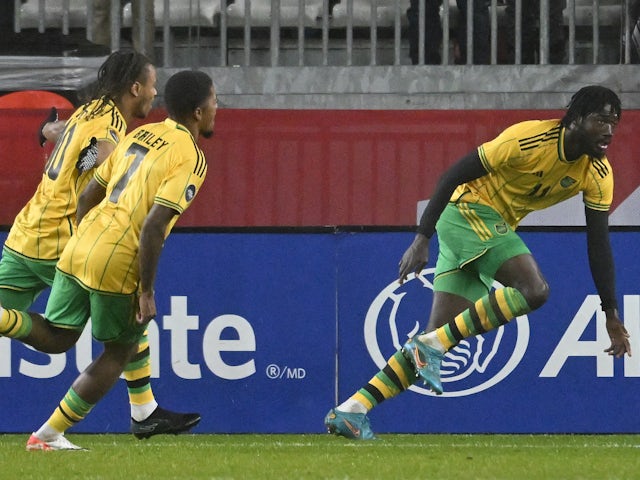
(264, 332)
(245, 335)
(545, 372)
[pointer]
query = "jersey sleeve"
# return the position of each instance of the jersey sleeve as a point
(598, 191)
(110, 128)
(112, 135)
(183, 181)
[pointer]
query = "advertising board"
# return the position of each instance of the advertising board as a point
(264, 332)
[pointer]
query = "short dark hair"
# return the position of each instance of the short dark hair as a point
(185, 91)
(591, 99)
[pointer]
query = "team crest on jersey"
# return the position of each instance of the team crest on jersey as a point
(190, 192)
(501, 228)
(566, 182)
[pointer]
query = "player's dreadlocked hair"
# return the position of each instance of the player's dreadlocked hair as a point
(591, 99)
(185, 91)
(117, 74)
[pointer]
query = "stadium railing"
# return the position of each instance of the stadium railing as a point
(327, 32)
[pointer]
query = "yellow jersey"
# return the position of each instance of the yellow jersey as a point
(528, 171)
(158, 163)
(44, 225)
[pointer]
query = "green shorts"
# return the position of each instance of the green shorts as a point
(113, 316)
(474, 242)
(23, 279)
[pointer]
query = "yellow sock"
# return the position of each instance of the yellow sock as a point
(395, 377)
(490, 312)
(70, 411)
(138, 376)
(14, 324)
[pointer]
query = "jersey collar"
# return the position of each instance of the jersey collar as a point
(561, 145)
(173, 124)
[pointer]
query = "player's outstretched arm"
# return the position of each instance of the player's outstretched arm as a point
(464, 170)
(618, 335)
(414, 258)
(603, 273)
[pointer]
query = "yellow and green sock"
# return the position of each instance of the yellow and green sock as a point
(14, 323)
(137, 374)
(395, 377)
(489, 312)
(70, 411)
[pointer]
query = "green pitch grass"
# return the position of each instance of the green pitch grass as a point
(280, 457)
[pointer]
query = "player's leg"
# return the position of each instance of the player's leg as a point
(147, 417)
(34, 330)
(475, 243)
(489, 312)
(87, 390)
(350, 417)
(112, 324)
(21, 281)
(524, 290)
(398, 374)
(137, 374)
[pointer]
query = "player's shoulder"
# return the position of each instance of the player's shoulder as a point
(100, 114)
(530, 128)
(601, 168)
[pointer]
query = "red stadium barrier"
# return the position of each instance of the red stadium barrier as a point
(313, 167)
(34, 99)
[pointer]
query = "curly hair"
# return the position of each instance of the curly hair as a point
(117, 74)
(591, 99)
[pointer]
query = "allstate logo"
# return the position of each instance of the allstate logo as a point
(476, 364)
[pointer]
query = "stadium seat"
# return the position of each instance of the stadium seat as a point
(53, 18)
(182, 13)
(385, 13)
(261, 13)
(609, 12)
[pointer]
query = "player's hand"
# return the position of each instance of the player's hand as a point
(415, 258)
(52, 117)
(618, 335)
(147, 308)
(88, 156)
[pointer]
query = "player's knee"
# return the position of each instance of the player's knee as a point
(55, 345)
(536, 294)
(60, 340)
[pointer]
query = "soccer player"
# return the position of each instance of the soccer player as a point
(125, 89)
(475, 209)
(107, 270)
